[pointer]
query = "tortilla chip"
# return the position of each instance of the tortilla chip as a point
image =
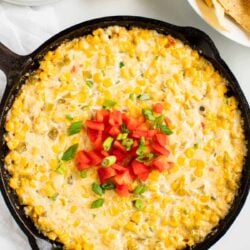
(239, 10)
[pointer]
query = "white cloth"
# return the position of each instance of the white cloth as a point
(22, 29)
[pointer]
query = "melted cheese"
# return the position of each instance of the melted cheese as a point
(181, 206)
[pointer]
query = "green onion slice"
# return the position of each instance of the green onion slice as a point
(128, 143)
(89, 83)
(138, 203)
(148, 114)
(108, 143)
(108, 104)
(140, 189)
(122, 136)
(83, 173)
(108, 161)
(143, 97)
(61, 169)
(121, 65)
(108, 186)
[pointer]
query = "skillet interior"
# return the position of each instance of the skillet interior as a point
(196, 39)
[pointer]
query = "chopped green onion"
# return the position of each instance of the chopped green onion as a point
(138, 203)
(132, 96)
(117, 82)
(166, 130)
(142, 141)
(89, 83)
(97, 189)
(108, 143)
(69, 154)
(83, 173)
(145, 157)
(122, 136)
(158, 121)
(196, 145)
(84, 107)
(140, 189)
(108, 161)
(148, 114)
(97, 203)
(143, 97)
(124, 128)
(61, 169)
(69, 117)
(75, 128)
(108, 104)
(128, 143)
(54, 196)
(121, 65)
(108, 186)
(141, 150)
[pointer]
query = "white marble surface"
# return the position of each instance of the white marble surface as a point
(70, 12)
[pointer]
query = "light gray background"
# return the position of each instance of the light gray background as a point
(70, 12)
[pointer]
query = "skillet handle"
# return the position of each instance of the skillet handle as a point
(10, 62)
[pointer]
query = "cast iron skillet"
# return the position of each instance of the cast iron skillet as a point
(16, 66)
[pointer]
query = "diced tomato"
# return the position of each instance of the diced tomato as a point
(119, 154)
(158, 108)
(140, 170)
(92, 134)
(122, 190)
(115, 118)
(119, 146)
(102, 115)
(171, 40)
(95, 125)
(162, 139)
(82, 160)
(131, 123)
(151, 133)
(95, 158)
(74, 69)
(139, 133)
(157, 148)
(161, 163)
(105, 174)
(98, 141)
(143, 127)
(119, 168)
(114, 131)
(123, 178)
(104, 153)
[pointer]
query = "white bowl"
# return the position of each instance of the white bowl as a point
(30, 2)
(229, 29)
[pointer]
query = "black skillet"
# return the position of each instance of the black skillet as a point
(15, 67)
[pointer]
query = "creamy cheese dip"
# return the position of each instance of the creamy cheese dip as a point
(182, 205)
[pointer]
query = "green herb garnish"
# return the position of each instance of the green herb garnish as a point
(75, 128)
(97, 189)
(108, 143)
(54, 196)
(145, 157)
(69, 117)
(108, 161)
(61, 169)
(140, 189)
(108, 186)
(124, 128)
(148, 114)
(166, 130)
(143, 97)
(121, 65)
(89, 83)
(69, 154)
(128, 143)
(138, 203)
(132, 96)
(97, 203)
(121, 136)
(83, 173)
(158, 121)
(108, 104)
